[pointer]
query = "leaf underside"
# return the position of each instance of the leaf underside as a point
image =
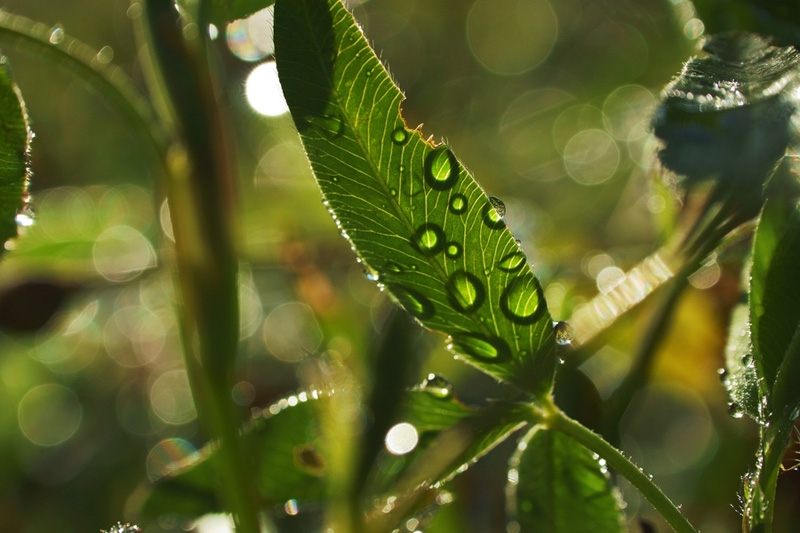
(419, 223)
(557, 485)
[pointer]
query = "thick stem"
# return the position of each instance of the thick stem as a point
(558, 421)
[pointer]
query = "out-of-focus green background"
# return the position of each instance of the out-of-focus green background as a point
(547, 102)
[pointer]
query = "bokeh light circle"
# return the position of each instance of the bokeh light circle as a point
(591, 157)
(401, 439)
(263, 90)
(509, 37)
(49, 415)
(171, 398)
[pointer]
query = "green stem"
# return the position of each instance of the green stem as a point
(558, 421)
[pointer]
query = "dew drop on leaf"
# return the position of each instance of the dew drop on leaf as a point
(465, 291)
(393, 267)
(400, 135)
(437, 386)
(748, 361)
(564, 333)
(498, 205)
(428, 239)
(512, 262)
(491, 217)
(521, 300)
(56, 35)
(734, 410)
(414, 302)
(480, 347)
(453, 250)
(458, 204)
(441, 169)
(331, 124)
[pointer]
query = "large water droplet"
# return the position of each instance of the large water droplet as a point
(564, 333)
(453, 250)
(56, 35)
(498, 205)
(437, 386)
(441, 168)
(428, 239)
(521, 301)
(400, 135)
(512, 262)
(491, 217)
(458, 204)
(749, 361)
(489, 349)
(465, 291)
(414, 302)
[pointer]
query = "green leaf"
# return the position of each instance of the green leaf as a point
(420, 224)
(15, 139)
(224, 11)
(557, 485)
(451, 437)
(287, 463)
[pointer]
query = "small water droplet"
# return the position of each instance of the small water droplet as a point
(329, 123)
(105, 55)
(512, 262)
(437, 386)
(488, 349)
(734, 410)
(370, 274)
(748, 361)
(491, 217)
(393, 267)
(25, 217)
(458, 204)
(564, 333)
(453, 250)
(722, 373)
(465, 291)
(414, 302)
(393, 192)
(428, 240)
(521, 301)
(56, 35)
(441, 168)
(400, 135)
(369, 72)
(498, 205)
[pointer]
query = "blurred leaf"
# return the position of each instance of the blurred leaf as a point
(224, 11)
(421, 226)
(451, 437)
(287, 463)
(557, 485)
(740, 378)
(14, 147)
(727, 117)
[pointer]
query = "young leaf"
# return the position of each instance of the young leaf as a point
(287, 464)
(418, 221)
(15, 139)
(557, 485)
(740, 376)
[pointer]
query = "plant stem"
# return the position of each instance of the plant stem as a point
(558, 421)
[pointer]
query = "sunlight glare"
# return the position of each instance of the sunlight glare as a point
(263, 90)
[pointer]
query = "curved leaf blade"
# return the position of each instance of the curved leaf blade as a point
(557, 485)
(15, 139)
(418, 221)
(287, 462)
(740, 378)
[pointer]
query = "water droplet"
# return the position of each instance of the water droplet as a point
(465, 291)
(428, 239)
(722, 373)
(521, 301)
(56, 34)
(748, 361)
(330, 123)
(512, 262)
(498, 205)
(734, 410)
(25, 217)
(453, 250)
(437, 386)
(491, 217)
(393, 267)
(400, 135)
(393, 191)
(105, 55)
(414, 302)
(564, 333)
(370, 273)
(489, 349)
(458, 204)
(369, 72)
(441, 168)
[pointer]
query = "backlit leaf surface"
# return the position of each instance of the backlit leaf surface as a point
(420, 224)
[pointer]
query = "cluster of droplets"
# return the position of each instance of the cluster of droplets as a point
(119, 527)
(437, 386)
(286, 403)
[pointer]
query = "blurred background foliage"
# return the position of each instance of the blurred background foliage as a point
(547, 102)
